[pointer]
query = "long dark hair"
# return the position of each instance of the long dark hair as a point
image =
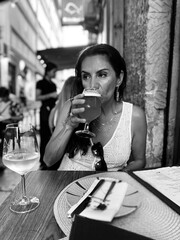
(118, 64)
(76, 143)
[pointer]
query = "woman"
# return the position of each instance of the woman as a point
(69, 89)
(121, 128)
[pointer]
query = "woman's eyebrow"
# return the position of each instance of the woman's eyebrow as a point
(84, 71)
(103, 69)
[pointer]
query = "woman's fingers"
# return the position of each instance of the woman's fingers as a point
(74, 119)
(78, 99)
(76, 108)
(76, 111)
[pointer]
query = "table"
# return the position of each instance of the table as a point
(47, 185)
(41, 223)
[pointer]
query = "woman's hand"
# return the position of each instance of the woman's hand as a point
(68, 119)
(71, 110)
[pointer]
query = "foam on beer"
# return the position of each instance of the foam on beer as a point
(92, 93)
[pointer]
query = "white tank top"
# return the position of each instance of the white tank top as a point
(116, 151)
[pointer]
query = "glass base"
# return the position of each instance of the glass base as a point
(25, 205)
(85, 134)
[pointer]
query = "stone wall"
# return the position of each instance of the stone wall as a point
(147, 33)
(157, 63)
(135, 28)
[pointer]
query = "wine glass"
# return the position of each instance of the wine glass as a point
(20, 154)
(92, 107)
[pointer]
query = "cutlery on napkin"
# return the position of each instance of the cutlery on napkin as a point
(82, 203)
(102, 205)
(87, 206)
(114, 201)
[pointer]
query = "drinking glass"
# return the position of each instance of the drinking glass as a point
(20, 154)
(92, 107)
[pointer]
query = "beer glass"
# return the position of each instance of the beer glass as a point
(92, 107)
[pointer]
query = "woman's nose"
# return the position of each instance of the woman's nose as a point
(94, 82)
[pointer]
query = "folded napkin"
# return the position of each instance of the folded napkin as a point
(87, 206)
(82, 203)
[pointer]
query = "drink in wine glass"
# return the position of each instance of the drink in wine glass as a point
(20, 162)
(20, 154)
(92, 107)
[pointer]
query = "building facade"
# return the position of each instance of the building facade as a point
(26, 26)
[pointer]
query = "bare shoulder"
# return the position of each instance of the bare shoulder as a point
(138, 112)
(138, 116)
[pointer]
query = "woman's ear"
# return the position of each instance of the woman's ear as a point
(120, 79)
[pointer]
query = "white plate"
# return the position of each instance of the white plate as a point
(76, 190)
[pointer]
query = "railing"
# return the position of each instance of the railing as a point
(31, 114)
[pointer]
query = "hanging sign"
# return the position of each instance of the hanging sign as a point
(72, 12)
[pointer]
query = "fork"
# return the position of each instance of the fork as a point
(103, 205)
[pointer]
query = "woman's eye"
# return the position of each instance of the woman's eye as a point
(85, 77)
(102, 75)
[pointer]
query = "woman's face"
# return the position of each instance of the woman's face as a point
(97, 72)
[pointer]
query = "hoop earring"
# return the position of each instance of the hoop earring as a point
(117, 94)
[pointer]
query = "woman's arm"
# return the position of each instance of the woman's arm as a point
(139, 133)
(66, 123)
(60, 137)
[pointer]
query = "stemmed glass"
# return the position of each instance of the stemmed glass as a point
(92, 107)
(20, 154)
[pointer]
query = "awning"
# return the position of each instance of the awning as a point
(64, 57)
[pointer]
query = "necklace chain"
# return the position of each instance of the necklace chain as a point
(99, 126)
(114, 114)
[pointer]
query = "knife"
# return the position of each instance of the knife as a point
(79, 208)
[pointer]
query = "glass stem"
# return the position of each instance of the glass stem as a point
(86, 127)
(23, 187)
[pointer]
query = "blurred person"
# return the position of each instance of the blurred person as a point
(22, 97)
(120, 130)
(46, 92)
(22, 80)
(10, 108)
(70, 88)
